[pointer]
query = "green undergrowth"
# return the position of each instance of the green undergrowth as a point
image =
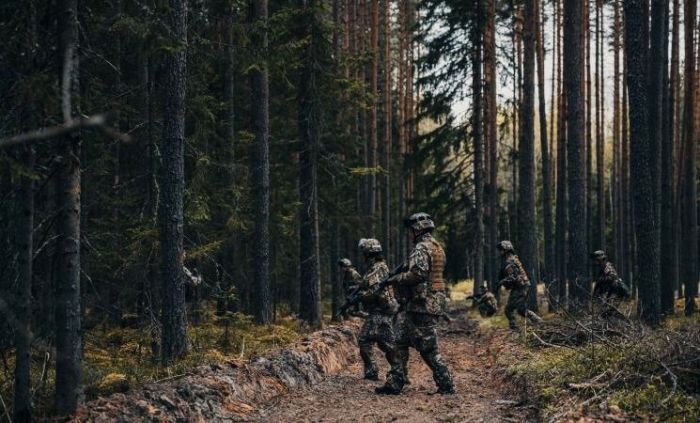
(121, 359)
(649, 374)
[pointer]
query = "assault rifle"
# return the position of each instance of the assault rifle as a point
(356, 295)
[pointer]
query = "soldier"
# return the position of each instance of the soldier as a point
(609, 288)
(380, 307)
(421, 293)
(514, 278)
(484, 301)
(351, 281)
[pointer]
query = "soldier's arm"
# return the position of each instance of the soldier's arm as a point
(418, 267)
(510, 275)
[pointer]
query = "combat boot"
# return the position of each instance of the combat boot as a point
(387, 390)
(534, 318)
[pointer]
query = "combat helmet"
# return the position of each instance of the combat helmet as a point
(343, 262)
(506, 246)
(369, 246)
(420, 222)
(599, 255)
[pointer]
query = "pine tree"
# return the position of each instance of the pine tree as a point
(172, 189)
(261, 168)
(69, 391)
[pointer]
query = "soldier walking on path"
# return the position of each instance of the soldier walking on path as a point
(514, 278)
(421, 293)
(380, 307)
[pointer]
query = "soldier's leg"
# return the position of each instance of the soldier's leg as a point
(511, 306)
(387, 343)
(424, 339)
(523, 309)
(364, 341)
(398, 375)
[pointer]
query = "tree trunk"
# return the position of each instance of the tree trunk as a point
(372, 118)
(477, 133)
(573, 76)
(307, 97)
(669, 264)
(172, 185)
(23, 334)
(261, 170)
(387, 150)
(491, 118)
(527, 224)
(600, 240)
(562, 182)
(544, 151)
(646, 229)
(24, 241)
(68, 330)
(689, 249)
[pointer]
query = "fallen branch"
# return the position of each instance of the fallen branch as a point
(100, 122)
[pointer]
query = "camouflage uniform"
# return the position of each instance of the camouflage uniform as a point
(351, 280)
(378, 325)
(609, 289)
(486, 303)
(421, 293)
(514, 278)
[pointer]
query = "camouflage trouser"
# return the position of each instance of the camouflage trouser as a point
(517, 302)
(378, 328)
(418, 330)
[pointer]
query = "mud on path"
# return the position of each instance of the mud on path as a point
(482, 393)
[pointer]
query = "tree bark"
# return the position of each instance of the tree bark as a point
(68, 329)
(643, 189)
(387, 150)
(527, 224)
(689, 249)
(307, 97)
(544, 151)
(477, 134)
(261, 168)
(490, 118)
(573, 77)
(172, 186)
(23, 334)
(669, 259)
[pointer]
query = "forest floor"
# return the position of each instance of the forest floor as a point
(483, 394)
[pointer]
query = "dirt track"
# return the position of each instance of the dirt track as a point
(481, 396)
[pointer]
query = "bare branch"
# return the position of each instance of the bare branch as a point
(100, 122)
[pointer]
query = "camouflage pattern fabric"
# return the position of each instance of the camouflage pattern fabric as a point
(378, 328)
(418, 330)
(515, 279)
(378, 325)
(486, 304)
(415, 284)
(416, 325)
(609, 290)
(513, 274)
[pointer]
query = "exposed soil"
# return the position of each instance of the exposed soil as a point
(482, 393)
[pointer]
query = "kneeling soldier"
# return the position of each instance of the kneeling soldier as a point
(380, 308)
(514, 278)
(485, 302)
(609, 289)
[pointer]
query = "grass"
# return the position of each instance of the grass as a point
(624, 374)
(116, 360)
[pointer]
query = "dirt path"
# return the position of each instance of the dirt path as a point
(482, 396)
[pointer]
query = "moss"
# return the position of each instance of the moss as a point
(636, 383)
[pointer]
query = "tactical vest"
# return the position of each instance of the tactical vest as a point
(524, 280)
(437, 266)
